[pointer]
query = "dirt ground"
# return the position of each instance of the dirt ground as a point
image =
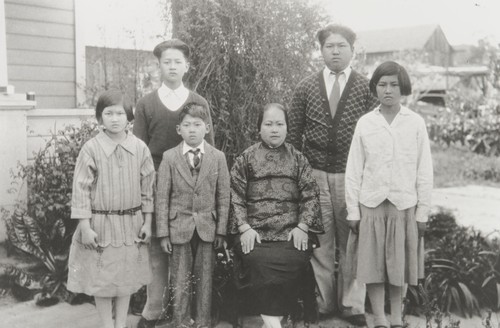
(473, 206)
(28, 315)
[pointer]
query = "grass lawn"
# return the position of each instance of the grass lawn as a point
(456, 166)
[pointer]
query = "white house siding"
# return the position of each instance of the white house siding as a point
(40, 38)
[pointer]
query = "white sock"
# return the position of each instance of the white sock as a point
(271, 321)
(396, 297)
(376, 293)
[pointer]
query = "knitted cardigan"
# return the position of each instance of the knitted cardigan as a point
(324, 140)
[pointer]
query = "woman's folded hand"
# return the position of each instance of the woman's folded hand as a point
(248, 239)
(300, 238)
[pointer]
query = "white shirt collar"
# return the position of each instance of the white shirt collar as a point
(347, 72)
(402, 110)
(180, 92)
(173, 99)
(186, 147)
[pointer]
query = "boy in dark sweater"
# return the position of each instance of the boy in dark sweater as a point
(156, 117)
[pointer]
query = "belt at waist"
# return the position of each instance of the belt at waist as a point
(132, 210)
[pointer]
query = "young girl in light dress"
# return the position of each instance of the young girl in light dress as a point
(388, 192)
(113, 200)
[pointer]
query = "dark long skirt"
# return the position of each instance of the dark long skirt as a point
(270, 276)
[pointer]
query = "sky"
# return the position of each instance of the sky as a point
(129, 24)
(462, 21)
(140, 24)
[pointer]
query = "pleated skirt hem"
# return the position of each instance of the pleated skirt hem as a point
(387, 248)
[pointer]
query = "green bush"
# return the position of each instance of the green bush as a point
(42, 227)
(462, 269)
(246, 54)
(470, 121)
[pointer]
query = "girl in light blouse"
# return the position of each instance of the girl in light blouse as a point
(388, 190)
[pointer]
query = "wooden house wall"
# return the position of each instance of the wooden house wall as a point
(41, 50)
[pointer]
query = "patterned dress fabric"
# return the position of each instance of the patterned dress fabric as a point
(272, 189)
(111, 176)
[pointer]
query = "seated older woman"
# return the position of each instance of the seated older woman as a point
(275, 204)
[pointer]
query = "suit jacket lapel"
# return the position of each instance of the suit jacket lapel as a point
(206, 164)
(183, 166)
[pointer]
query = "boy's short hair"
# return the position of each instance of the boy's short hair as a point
(391, 68)
(195, 110)
(330, 29)
(112, 98)
(266, 108)
(172, 44)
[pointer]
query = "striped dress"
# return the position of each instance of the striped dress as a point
(111, 176)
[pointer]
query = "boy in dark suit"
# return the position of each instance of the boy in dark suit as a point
(192, 208)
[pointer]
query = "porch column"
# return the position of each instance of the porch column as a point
(3, 47)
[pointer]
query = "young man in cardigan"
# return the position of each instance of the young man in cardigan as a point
(156, 118)
(323, 114)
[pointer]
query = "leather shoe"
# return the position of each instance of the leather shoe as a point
(358, 320)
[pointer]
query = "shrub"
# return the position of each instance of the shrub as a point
(246, 54)
(42, 227)
(470, 121)
(462, 269)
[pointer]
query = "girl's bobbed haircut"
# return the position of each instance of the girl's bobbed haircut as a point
(266, 108)
(391, 68)
(112, 98)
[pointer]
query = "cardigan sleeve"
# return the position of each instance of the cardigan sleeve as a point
(297, 118)
(371, 102)
(309, 208)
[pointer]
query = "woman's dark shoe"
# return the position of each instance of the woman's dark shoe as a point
(358, 320)
(144, 323)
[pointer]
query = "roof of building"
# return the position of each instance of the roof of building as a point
(395, 39)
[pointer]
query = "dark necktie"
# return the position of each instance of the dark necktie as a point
(335, 94)
(196, 157)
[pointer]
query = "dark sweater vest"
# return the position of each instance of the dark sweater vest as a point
(156, 125)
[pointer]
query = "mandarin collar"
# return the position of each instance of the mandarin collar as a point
(266, 146)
